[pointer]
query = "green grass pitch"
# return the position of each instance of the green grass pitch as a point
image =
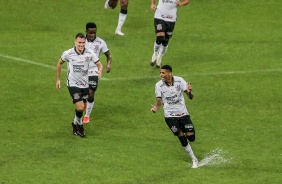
(229, 50)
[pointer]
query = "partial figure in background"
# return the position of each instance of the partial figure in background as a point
(78, 60)
(164, 22)
(122, 15)
(169, 94)
(97, 45)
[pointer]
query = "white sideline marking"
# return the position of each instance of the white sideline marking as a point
(150, 77)
(214, 157)
(27, 61)
(36, 63)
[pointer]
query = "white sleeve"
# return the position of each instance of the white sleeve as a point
(158, 91)
(183, 84)
(64, 56)
(104, 47)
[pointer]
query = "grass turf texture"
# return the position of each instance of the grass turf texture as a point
(230, 51)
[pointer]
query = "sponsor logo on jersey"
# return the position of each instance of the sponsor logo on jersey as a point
(167, 16)
(178, 114)
(189, 126)
(92, 83)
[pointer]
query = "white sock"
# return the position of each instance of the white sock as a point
(89, 108)
(162, 50)
(189, 150)
(156, 48)
(77, 120)
(121, 20)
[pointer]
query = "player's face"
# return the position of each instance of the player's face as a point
(165, 75)
(91, 33)
(80, 44)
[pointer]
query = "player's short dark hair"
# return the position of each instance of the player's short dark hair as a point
(167, 67)
(90, 25)
(79, 35)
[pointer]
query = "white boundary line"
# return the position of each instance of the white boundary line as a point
(34, 63)
(27, 61)
(150, 77)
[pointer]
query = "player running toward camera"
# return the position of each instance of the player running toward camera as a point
(78, 59)
(97, 45)
(169, 93)
(164, 22)
(122, 15)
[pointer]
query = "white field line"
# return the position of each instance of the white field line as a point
(150, 77)
(215, 157)
(34, 63)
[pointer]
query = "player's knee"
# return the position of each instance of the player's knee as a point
(165, 42)
(191, 137)
(90, 99)
(113, 3)
(123, 11)
(160, 39)
(124, 4)
(183, 141)
(78, 112)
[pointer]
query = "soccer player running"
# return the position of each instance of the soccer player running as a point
(78, 59)
(122, 15)
(169, 92)
(97, 45)
(164, 22)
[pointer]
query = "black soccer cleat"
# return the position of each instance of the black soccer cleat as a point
(74, 129)
(80, 131)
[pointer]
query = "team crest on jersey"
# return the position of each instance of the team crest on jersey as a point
(96, 47)
(159, 27)
(87, 59)
(178, 88)
(76, 96)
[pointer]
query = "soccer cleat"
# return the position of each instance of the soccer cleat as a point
(74, 129)
(80, 131)
(194, 164)
(106, 6)
(86, 119)
(153, 60)
(118, 32)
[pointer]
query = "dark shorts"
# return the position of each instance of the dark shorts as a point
(93, 82)
(164, 26)
(177, 124)
(78, 94)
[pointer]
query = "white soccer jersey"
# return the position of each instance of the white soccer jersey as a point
(98, 46)
(78, 65)
(166, 10)
(172, 97)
